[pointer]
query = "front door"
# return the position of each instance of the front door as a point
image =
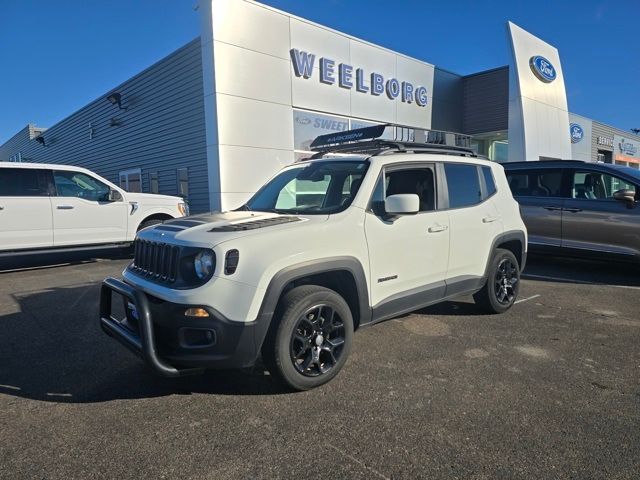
(593, 220)
(82, 213)
(408, 254)
(25, 209)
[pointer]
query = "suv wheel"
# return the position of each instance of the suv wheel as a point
(310, 337)
(503, 282)
(149, 223)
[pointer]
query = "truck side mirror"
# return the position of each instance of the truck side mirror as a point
(114, 196)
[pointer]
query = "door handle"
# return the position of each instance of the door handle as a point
(65, 207)
(573, 210)
(438, 228)
(553, 209)
(1, 207)
(489, 219)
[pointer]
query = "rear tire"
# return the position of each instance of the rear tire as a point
(503, 283)
(310, 337)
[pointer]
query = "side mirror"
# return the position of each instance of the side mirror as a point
(114, 196)
(625, 195)
(402, 204)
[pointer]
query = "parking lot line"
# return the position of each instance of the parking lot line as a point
(573, 280)
(526, 299)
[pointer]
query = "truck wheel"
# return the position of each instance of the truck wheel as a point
(149, 223)
(503, 282)
(310, 337)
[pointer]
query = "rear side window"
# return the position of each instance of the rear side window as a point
(488, 181)
(463, 183)
(536, 183)
(23, 182)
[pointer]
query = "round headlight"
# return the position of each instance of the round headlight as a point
(204, 263)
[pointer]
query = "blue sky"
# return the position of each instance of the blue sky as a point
(55, 57)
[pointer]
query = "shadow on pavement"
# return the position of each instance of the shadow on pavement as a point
(52, 349)
(36, 261)
(574, 270)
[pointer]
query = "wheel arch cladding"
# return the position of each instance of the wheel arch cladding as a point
(515, 243)
(344, 275)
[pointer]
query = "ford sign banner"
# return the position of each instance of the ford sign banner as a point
(576, 132)
(542, 68)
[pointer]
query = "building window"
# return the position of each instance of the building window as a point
(153, 182)
(183, 182)
(131, 180)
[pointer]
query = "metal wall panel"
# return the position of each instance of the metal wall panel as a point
(486, 101)
(161, 130)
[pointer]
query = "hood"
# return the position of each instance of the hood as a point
(154, 199)
(213, 228)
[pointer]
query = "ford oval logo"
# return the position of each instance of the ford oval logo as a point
(576, 132)
(542, 68)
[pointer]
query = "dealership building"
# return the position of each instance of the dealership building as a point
(220, 115)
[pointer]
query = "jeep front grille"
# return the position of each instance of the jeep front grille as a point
(157, 261)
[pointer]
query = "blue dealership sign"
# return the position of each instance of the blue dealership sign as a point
(542, 68)
(576, 132)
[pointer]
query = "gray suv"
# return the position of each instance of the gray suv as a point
(579, 208)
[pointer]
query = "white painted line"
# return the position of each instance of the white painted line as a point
(10, 387)
(59, 394)
(526, 299)
(573, 280)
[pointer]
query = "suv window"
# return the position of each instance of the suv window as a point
(463, 184)
(419, 181)
(76, 184)
(489, 181)
(592, 185)
(23, 182)
(536, 183)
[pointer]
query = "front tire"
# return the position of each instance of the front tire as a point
(503, 283)
(310, 337)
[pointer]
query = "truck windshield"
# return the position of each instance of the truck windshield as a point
(320, 187)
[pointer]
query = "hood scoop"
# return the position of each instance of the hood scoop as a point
(255, 224)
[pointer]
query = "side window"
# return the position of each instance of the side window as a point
(76, 184)
(489, 181)
(463, 184)
(597, 186)
(23, 182)
(419, 181)
(536, 183)
(153, 182)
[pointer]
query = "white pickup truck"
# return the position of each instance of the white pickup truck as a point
(50, 207)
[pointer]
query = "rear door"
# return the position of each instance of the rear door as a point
(541, 193)
(25, 209)
(82, 213)
(475, 223)
(593, 220)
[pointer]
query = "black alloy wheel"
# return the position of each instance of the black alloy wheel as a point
(317, 341)
(506, 282)
(309, 338)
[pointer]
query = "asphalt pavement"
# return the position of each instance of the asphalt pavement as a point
(550, 389)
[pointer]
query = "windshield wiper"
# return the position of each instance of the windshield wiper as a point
(244, 207)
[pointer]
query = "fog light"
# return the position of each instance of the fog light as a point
(196, 312)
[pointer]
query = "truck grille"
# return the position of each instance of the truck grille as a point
(157, 261)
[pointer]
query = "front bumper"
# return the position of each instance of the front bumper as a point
(172, 344)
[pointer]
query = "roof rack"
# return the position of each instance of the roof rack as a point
(389, 138)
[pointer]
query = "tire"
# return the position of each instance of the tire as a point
(503, 283)
(306, 345)
(149, 223)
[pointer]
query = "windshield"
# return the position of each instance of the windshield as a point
(320, 187)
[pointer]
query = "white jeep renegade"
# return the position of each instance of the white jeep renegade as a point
(329, 245)
(59, 207)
